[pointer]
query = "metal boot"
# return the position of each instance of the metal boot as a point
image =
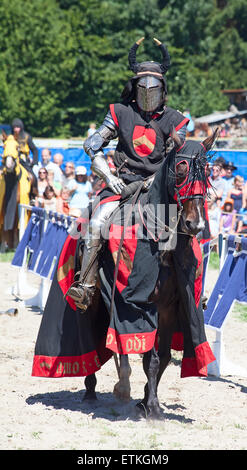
(83, 290)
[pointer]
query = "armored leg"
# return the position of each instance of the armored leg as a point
(82, 293)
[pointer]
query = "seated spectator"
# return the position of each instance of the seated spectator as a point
(57, 185)
(49, 199)
(244, 194)
(58, 160)
(69, 176)
(214, 214)
(222, 162)
(63, 202)
(242, 224)
(236, 192)
(42, 180)
(48, 164)
(92, 128)
(228, 217)
(217, 183)
(81, 193)
(229, 167)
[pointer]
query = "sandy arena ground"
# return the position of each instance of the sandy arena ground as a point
(38, 413)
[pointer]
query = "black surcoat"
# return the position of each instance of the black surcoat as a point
(142, 144)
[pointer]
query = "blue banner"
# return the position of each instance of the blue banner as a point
(79, 157)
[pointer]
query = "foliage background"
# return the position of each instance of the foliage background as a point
(63, 61)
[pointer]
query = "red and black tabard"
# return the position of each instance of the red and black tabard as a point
(143, 143)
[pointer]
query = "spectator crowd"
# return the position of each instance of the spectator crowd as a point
(70, 190)
(227, 199)
(66, 190)
(231, 128)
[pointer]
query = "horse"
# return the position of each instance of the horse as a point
(188, 188)
(148, 294)
(17, 184)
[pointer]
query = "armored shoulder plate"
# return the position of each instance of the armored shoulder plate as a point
(101, 136)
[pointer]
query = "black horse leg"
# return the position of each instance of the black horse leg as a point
(122, 387)
(150, 403)
(90, 384)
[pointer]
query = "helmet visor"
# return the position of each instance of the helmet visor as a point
(149, 93)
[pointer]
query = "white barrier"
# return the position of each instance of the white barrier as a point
(22, 288)
(226, 292)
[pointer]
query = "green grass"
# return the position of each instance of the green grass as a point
(214, 260)
(7, 257)
(241, 311)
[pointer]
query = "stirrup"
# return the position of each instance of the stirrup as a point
(84, 299)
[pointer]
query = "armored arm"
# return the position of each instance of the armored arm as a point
(93, 146)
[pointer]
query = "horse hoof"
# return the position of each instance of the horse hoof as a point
(121, 393)
(142, 411)
(155, 413)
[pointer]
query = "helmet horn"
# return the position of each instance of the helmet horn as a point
(132, 55)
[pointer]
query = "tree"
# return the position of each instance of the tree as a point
(36, 60)
(62, 62)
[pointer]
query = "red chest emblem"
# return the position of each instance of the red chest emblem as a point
(144, 140)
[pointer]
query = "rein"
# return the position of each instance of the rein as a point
(136, 194)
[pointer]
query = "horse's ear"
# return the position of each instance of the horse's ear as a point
(4, 135)
(175, 137)
(209, 141)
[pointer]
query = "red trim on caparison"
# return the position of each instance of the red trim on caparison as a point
(114, 117)
(130, 343)
(197, 366)
(66, 366)
(204, 356)
(198, 281)
(177, 341)
(189, 368)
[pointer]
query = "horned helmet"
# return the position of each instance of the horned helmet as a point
(148, 86)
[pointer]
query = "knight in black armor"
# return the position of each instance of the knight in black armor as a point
(142, 122)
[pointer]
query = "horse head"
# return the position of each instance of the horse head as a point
(10, 154)
(191, 182)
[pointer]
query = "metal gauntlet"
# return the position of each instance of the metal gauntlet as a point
(100, 168)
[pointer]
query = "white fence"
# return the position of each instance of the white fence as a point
(230, 288)
(39, 246)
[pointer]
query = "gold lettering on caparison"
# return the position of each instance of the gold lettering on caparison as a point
(84, 367)
(67, 368)
(75, 368)
(45, 364)
(109, 339)
(96, 360)
(60, 368)
(129, 346)
(136, 344)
